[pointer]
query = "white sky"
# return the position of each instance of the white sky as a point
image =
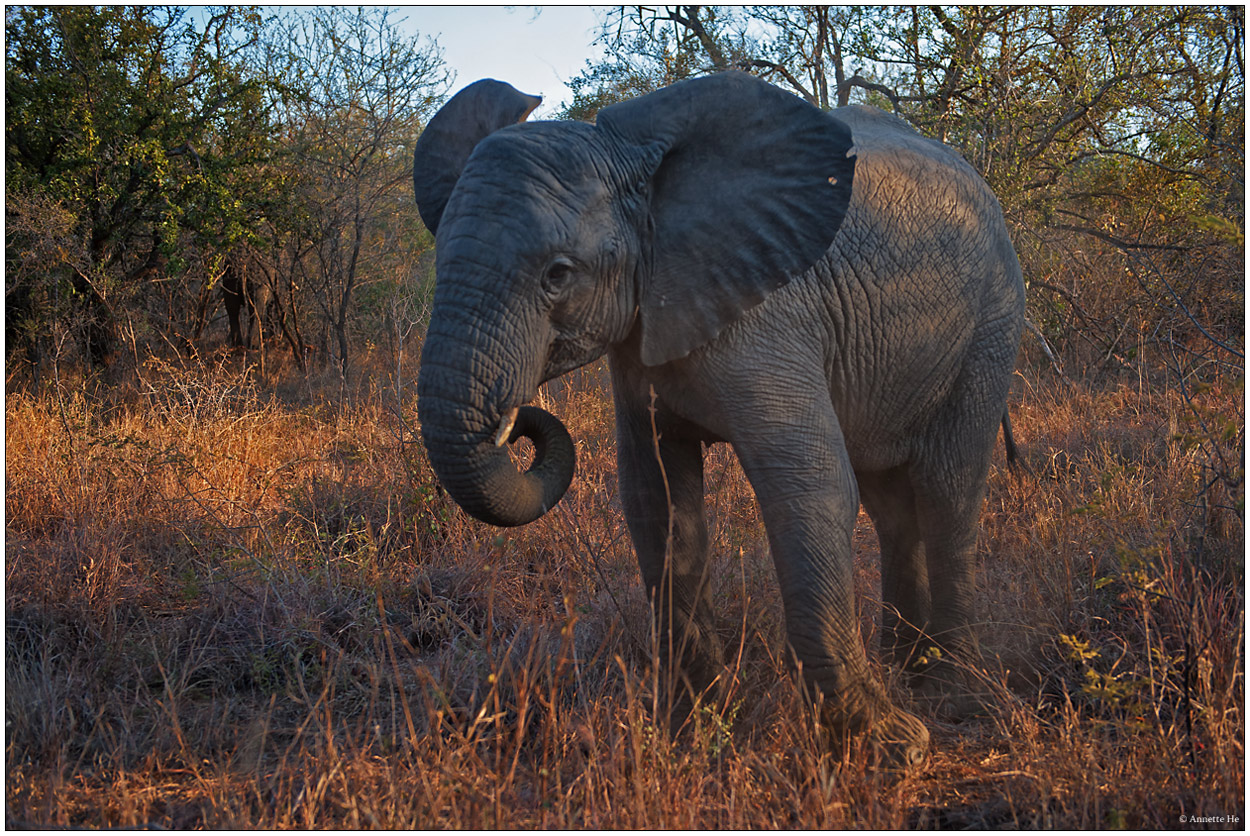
(535, 49)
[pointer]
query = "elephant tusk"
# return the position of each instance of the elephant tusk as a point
(505, 427)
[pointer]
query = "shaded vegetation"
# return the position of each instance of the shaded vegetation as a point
(149, 152)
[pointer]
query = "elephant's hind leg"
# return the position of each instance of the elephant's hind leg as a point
(949, 481)
(948, 651)
(905, 606)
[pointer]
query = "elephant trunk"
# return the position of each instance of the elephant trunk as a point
(466, 436)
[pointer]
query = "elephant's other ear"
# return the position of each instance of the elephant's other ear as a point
(750, 184)
(472, 114)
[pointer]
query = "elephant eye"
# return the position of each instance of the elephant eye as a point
(559, 271)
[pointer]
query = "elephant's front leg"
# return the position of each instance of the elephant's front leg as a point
(660, 461)
(793, 452)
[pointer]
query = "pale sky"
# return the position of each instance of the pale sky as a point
(536, 49)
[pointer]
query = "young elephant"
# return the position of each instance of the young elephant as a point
(830, 293)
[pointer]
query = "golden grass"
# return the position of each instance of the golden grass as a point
(227, 610)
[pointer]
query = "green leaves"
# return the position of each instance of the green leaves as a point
(129, 119)
(174, 141)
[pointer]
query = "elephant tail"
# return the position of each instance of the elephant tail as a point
(1014, 462)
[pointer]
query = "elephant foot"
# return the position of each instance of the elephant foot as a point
(899, 742)
(948, 693)
(894, 740)
(681, 697)
(695, 682)
(902, 646)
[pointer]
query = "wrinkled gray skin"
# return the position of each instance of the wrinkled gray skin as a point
(848, 322)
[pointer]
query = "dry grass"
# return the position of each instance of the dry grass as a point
(228, 610)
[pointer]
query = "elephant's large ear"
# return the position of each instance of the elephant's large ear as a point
(472, 114)
(749, 185)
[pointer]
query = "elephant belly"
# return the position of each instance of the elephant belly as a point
(885, 412)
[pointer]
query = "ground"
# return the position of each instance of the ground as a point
(235, 603)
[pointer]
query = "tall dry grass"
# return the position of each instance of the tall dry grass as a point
(230, 609)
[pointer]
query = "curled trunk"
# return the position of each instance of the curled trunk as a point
(466, 446)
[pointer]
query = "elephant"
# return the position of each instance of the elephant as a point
(830, 293)
(246, 292)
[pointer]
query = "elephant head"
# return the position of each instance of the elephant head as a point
(671, 216)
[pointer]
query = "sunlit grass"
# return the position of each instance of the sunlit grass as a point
(228, 610)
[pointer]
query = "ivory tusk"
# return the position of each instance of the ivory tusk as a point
(505, 427)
